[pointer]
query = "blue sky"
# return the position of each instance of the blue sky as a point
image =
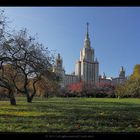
(114, 33)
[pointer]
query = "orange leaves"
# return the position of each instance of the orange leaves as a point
(76, 87)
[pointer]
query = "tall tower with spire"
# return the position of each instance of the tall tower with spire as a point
(87, 69)
(58, 68)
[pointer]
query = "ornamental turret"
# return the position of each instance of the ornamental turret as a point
(122, 72)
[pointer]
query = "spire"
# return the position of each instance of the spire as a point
(87, 35)
(58, 57)
(122, 72)
(121, 69)
(104, 76)
(87, 40)
(58, 61)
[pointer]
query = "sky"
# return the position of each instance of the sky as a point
(114, 33)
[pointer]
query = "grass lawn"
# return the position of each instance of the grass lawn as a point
(71, 115)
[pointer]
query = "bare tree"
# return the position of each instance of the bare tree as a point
(30, 59)
(5, 80)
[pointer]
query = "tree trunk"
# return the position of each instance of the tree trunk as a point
(12, 98)
(46, 95)
(12, 101)
(34, 92)
(29, 100)
(27, 94)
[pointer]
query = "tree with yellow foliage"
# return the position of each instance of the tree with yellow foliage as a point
(131, 88)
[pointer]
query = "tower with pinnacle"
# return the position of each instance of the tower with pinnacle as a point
(122, 72)
(87, 68)
(58, 69)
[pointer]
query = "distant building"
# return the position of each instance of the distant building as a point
(121, 79)
(104, 79)
(115, 81)
(86, 69)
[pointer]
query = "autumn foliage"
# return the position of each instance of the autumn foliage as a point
(44, 87)
(131, 88)
(76, 87)
(90, 90)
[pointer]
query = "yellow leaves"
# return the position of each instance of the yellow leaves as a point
(39, 113)
(24, 113)
(136, 72)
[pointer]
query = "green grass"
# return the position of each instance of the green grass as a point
(71, 115)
